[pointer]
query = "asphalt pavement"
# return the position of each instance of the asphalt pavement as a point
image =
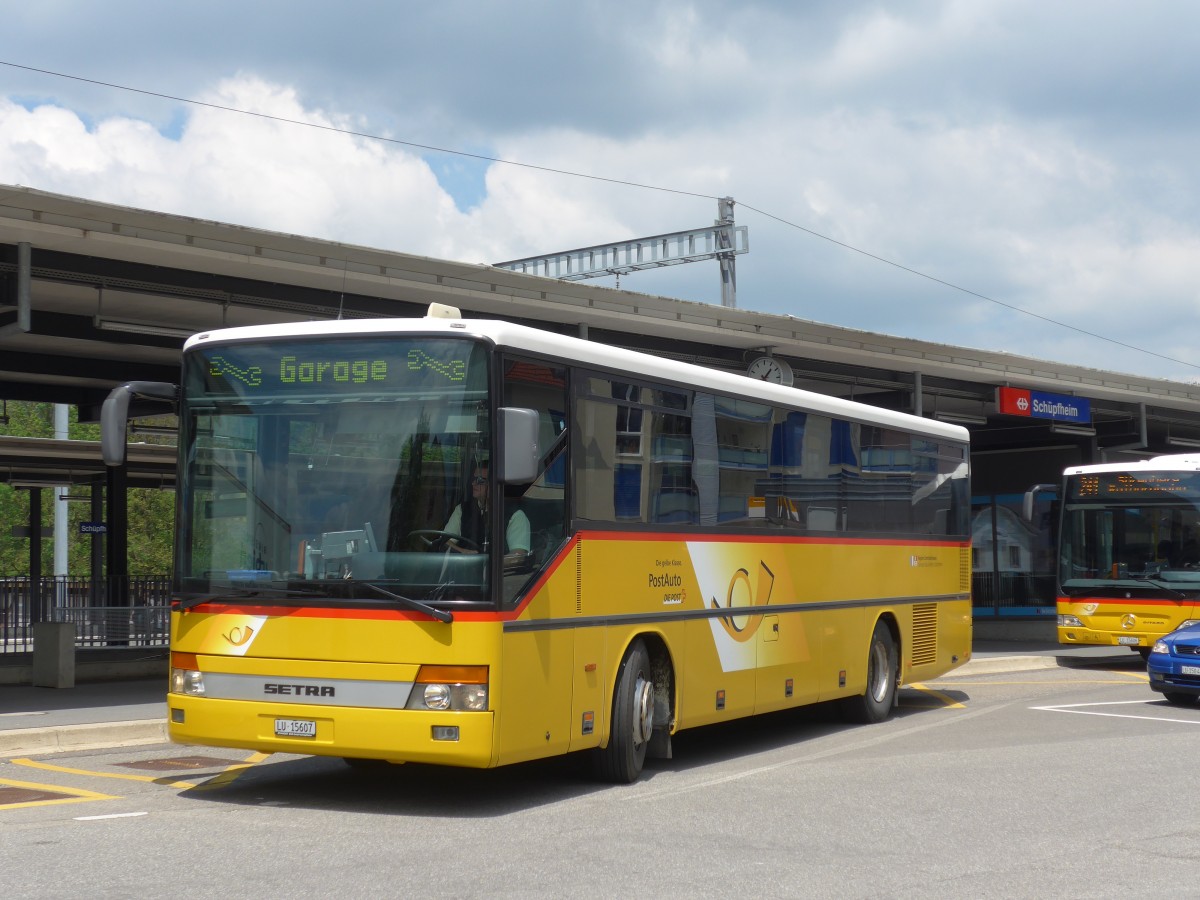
(93, 715)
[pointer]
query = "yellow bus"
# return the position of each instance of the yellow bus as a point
(1129, 552)
(475, 543)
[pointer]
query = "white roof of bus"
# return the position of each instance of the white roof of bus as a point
(1182, 462)
(573, 349)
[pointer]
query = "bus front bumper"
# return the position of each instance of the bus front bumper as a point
(1074, 634)
(398, 735)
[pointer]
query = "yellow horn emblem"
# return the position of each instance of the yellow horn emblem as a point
(239, 635)
(742, 627)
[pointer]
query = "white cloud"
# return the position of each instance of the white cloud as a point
(236, 168)
(980, 143)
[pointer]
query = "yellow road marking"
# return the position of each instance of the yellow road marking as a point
(226, 776)
(1137, 679)
(948, 702)
(148, 779)
(78, 795)
(232, 772)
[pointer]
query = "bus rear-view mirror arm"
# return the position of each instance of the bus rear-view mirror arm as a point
(114, 415)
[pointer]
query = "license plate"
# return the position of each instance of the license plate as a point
(1189, 670)
(295, 728)
(1130, 639)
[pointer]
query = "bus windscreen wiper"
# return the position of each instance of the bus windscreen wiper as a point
(1150, 579)
(440, 614)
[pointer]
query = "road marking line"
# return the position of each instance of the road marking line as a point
(223, 778)
(1139, 680)
(870, 738)
(77, 795)
(109, 816)
(147, 779)
(227, 777)
(1077, 710)
(948, 702)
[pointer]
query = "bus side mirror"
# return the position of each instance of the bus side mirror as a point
(114, 415)
(1030, 500)
(519, 443)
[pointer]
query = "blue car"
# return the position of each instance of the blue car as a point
(1174, 665)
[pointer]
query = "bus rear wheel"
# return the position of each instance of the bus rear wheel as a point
(632, 721)
(876, 703)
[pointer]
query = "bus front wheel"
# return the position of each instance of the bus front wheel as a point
(876, 703)
(632, 721)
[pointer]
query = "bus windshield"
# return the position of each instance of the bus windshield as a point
(1122, 529)
(333, 468)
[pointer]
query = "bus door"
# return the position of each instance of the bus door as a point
(535, 713)
(787, 642)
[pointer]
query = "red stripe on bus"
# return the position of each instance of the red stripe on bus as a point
(404, 615)
(1128, 601)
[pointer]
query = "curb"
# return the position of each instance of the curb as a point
(27, 741)
(991, 665)
(996, 664)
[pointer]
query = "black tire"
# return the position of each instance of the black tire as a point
(632, 722)
(1177, 699)
(876, 703)
(1143, 652)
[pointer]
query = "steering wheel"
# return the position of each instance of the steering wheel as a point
(434, 539)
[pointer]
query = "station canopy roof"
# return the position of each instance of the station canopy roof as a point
(113, 292)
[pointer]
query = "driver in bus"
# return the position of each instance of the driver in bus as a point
(471, 519)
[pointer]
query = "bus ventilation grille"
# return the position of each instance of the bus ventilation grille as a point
(924, 640)
(964, 570)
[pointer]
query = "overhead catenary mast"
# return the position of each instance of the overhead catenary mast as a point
(722, 241)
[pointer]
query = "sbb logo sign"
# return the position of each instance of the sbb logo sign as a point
(1012, 401)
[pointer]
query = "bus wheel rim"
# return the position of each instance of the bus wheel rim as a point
(643, 710)
(878, 676)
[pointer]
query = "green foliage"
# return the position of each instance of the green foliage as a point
(151, 512)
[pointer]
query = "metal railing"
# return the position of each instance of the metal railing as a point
(106, 612)
(1012, 594)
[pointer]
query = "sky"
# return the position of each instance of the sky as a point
(1007, 175)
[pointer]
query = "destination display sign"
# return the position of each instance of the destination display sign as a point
(1012, 401)
(282, 368)
(1145, 485)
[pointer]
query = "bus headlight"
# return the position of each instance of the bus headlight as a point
(1187, 622)
(437, 696)
(187, 681)
(473, 697)
(1069, 622)
(455, 688)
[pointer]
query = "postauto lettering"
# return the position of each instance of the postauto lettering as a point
(293, 369)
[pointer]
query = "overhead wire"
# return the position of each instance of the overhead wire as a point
(601, 178)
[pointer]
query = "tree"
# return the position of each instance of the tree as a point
(151, 511)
